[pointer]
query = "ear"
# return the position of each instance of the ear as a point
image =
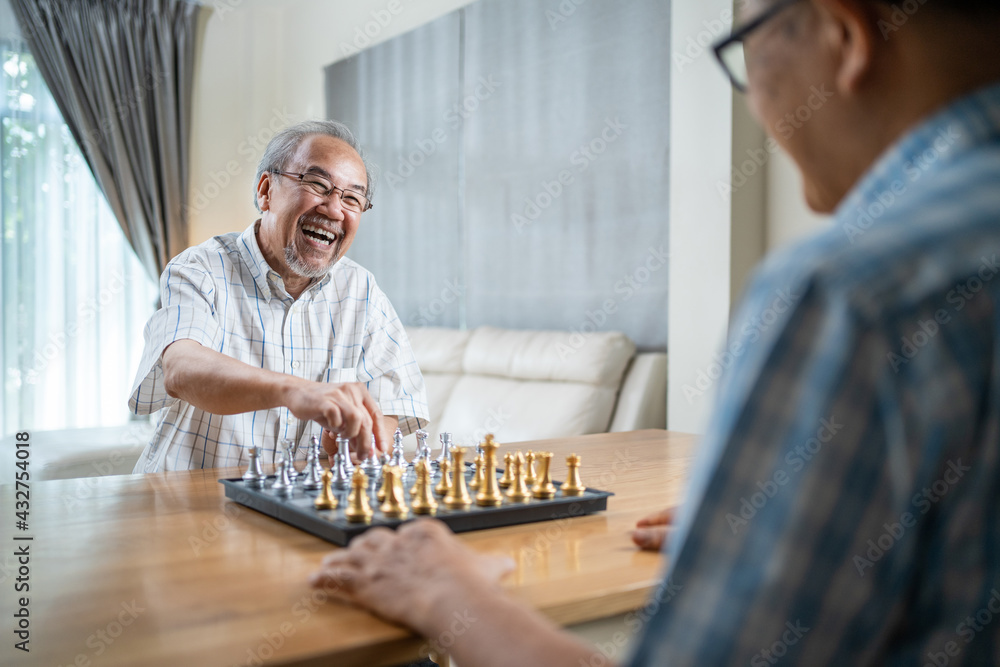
(264, 191)
(850, 31)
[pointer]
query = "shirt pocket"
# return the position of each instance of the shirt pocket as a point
(342, 375)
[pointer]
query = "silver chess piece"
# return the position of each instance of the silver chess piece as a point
(341, 478)
(313, 473)
(254, 476)
(344, 449)
(289, 448)
(423, 449)
(445, 454)
(283, 484)
(371, 466)
(317, 463)
(398, 457)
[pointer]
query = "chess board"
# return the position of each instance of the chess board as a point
(331, 525)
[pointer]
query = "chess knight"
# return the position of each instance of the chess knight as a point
(272, 333)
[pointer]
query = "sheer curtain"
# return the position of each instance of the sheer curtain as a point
(73, 295)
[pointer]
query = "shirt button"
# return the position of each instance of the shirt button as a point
(295, 364)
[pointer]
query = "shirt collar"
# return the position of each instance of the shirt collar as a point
(264, 276)
(935, 144)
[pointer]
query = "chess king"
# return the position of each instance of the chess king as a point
(272, 333)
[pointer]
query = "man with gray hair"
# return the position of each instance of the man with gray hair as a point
(263, 333)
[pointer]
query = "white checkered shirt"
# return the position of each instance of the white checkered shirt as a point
(223, 295)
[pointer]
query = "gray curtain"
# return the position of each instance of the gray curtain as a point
(121, 73)
(524, 149)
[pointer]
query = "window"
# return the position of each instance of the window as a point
(73, 296)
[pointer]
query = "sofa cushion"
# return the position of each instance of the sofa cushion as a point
(594, 359)
(516, 410)
(438, 350)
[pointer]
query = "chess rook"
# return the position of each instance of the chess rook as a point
(254, 476)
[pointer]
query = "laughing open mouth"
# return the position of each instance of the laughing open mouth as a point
(319, 234)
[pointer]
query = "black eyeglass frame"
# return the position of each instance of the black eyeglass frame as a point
(333, 188)
(740, 34)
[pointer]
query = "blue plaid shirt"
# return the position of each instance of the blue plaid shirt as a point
(844, 506)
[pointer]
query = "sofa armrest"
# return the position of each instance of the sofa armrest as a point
(642, 401)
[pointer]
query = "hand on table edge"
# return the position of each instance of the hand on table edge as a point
(652, 532)
(421, 576)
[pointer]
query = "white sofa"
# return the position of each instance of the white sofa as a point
(528, 385)
(518, 385)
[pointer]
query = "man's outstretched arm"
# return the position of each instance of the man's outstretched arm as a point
(222, 385)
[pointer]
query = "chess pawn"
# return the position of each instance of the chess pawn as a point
(371, 465)
(326, 500)
(518, 491)
(445, 454)
(386, 480)
(313, 480)
(318, 458)
(477, 473)
(398, 457)
(289, 448)
(530, 478)
(254, 476)
(423, 502)
(341, 478)
(283, 484)
(444, 485)
(359, 509)
(458, 494)
(508, 469)
(489, 490)
(344, 449)
(573, 486)
(394, 507)
(544, 488)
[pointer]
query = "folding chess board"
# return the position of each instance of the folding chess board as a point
(331, 525)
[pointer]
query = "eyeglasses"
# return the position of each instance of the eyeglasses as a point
(352, 200)
(730, 51)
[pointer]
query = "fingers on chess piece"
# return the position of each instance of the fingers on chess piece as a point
(573, 486)
(458, 495)
(326, 500)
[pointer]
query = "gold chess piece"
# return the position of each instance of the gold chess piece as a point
(422, 502)
(444, 485)
(422, 463)
(326, 500)
(530, 478)
(508, 468)
(382, 490)
(359, 510)
(518, 491)
(489, 490)
(573, 486)
(458, 494)
(394, 505)
(544, 488)
(477, 473)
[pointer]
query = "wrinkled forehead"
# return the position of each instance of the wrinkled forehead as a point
(332, 158)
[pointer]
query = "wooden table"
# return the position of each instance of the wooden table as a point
(164, 570)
